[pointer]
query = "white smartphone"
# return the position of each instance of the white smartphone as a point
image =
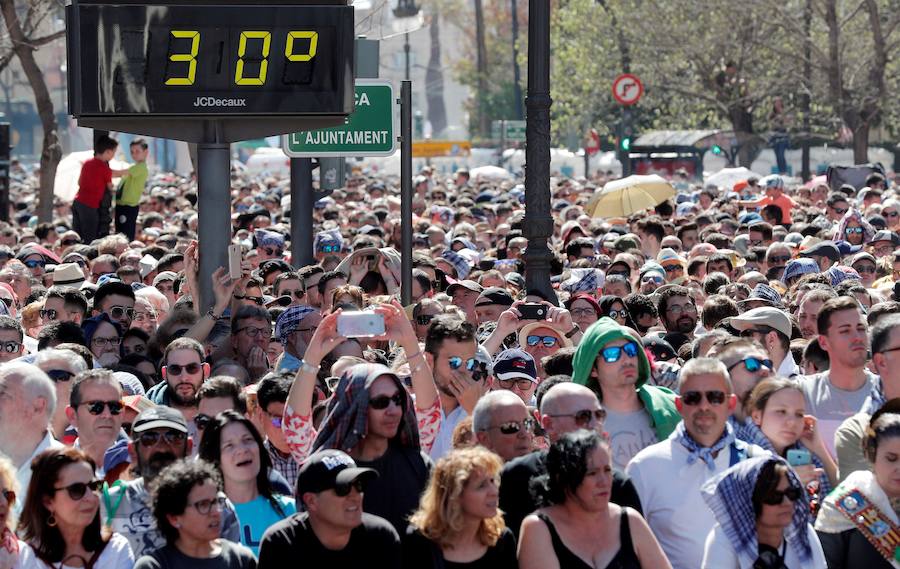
(234, 262)
(362, 324)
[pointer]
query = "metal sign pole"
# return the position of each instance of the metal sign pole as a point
(406, 192)
(302, 201)
(214, 208)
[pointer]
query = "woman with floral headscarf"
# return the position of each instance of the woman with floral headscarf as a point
(854, 228)
(762, 518)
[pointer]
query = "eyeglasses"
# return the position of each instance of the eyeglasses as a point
(673, 268)
(69, 242)
(117, 312)
(10, 347)
(776, 497)
(424, 319)
(547, 341)
(255, 299)
(78, 490)
(852, 230)
(679, 308)
(652, 279)
(103, 342)
(865, 268)
(298, 294)
(175, 369)
(201, 421)
(254, 332)
(752, 364)
(270, 251)
(49, 313)
(96, 407)
(456, 362)
(382, 401)
(329, 248)
(714, 397)
(152, 438)
(342, 490)
(613, 353)
(840, 210)
(584, 417)
(778, 259)
(513, 427)
(617, 313)
(35, 263)
(60, 375)
(274, 419)
(581, 312)
(204, 507)
(522, 383)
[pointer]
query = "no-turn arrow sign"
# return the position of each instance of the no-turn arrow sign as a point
(627, 89)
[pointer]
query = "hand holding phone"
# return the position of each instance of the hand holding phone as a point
(532, 311)
(799, 457)
(361, 324)
(234, 262)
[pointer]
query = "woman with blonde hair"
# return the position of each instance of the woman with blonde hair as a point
(458, 523)
(9, 543)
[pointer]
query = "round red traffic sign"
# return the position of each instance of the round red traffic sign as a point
(627, 89)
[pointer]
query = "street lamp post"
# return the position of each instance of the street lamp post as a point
(538, 226)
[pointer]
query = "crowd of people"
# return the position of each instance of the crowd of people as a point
(711, 383)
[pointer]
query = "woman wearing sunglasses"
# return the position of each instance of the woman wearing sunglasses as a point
(777, 421)
(458, 523)
(104, 338)
(60, 521)
(187, 505)
(854, 228)
(614, 307)
(232, 443)
(858, 520)
(577, 521)
(762, 519)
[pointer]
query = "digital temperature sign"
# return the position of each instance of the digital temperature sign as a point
(210, 59)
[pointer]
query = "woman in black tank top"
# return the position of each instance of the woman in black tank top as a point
(578, 528)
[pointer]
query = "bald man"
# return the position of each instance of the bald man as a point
(566, 407)
(502, 424)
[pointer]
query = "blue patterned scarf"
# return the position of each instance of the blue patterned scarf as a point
(695, 451)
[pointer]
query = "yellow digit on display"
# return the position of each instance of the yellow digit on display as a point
(239, 78)
(289, 46)
(191, 57)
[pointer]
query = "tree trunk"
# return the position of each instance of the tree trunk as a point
(51, 151)
(434, 81)
(484, 126)
(861, 143)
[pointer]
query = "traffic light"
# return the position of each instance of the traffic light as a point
(625, 143)
(717, 150)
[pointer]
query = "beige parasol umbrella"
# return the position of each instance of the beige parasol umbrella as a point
(621, 198)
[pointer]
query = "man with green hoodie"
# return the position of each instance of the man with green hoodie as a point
(611, 361)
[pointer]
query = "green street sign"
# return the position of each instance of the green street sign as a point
(371, 130)
(515, 130)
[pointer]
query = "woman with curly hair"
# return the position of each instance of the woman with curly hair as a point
(187, 505)
(60, 521)
(458, 523)
(578, 527)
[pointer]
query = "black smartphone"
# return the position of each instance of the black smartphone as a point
(533, 311)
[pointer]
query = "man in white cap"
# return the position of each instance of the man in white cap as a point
(772, 328)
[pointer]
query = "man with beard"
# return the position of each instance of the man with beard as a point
(183, 372)
(159, 438)
(847, 387)
(678, 312)
(669, 474)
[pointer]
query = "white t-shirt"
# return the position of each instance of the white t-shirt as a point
(116, 555)
(629, 433)
(832, 405)
(720, 554)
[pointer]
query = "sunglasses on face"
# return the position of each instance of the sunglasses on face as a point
(60, 375)
(204, 507)
(547, 341)
(840, 210)
(78, 490)
(175, 369)
(201, 421)
(424, 319)
(753, 364)
(852, 230)
(584, 417)
(692, 398)
(329, 249)
(613, 353)
(68, 242)
(652, 279)
(522, 383)
(275, 420)
(152, 438)
(779, 260)
(456, 362)
(10, 347)
(8, 495)
(35, 263)
(96, 407)
(342, 490)
(865, 269)
(117, 312)
(255, 299)
(49, 313)
(617, 314)
(382, 401)
(673, 268)
(890, 213)
(269, 251)
(513, 427)
(776, 497)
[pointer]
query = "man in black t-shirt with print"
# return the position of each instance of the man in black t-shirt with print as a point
(333, 531)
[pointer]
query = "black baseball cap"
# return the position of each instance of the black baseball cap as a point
(328, 469)
(826, 249)
(159, 417)
(494, 295)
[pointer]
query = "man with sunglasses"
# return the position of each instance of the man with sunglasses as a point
(669, 474)
(290, 284)
(772, 328)
(63, 304)
(836, 206)
(159, 437)
(183, 373)
(332, 530)
(501, 423)
(747, 363)
(61, 366)
(271, 396)
(12, 337)
(422, 314)
(116, 299)
(611, 361)
(565, 407)
(95, 410)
